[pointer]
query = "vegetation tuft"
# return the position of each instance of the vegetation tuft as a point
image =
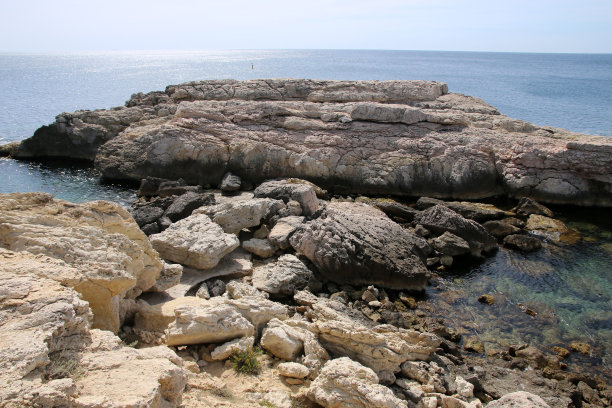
(246, 362)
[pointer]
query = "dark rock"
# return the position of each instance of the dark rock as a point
(357, 244)
(523, 243)
(9, 149)
(149, 186)
(146, 214)
(164, 222)
(500, 229)
(421, 231)
(184, 205)
(526, 207)
(216, 288)
(440, 219)
(150, 229)
(177, 190)
(486, 298)
(580, 347)
(515, 222)
(561, 352)
(230, 182)
(474, 345)
(474, 211)
(424, 203)
(450, 244)
(395, 210)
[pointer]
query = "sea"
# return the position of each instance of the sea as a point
(568, 286)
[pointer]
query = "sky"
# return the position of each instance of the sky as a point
(454, 25)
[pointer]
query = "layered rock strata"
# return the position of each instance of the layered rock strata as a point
(392, 137)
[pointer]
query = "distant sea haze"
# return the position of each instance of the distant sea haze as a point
(571, 91)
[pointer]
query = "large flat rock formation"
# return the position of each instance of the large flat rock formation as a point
(408, 138)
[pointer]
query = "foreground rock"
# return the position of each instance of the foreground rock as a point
(96, 248)
(343, 382)
(357, 244)
(519, 399)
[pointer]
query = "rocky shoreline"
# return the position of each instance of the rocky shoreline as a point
(295, 221)
(403, 138)
(266, 268)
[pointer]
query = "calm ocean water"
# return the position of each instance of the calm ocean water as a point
(570, 287)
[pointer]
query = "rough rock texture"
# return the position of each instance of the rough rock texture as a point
(282, 277)
(103, 254)
(286, 191)
(293, 370)
(230, 182)
(393, 137)
(170, 276)
(519, 399)
(357, 244)
(49, 357)
(450, 244)
(346, 383)
(440, 219)
(282, 340)
(283, 229)
(225, 350)
(194, 241)
(263, 248)
(522, 242)
(233, 216)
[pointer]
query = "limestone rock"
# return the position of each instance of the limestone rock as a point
(230, 182)
(233, 216)
(526, 207)
(500, 229)
(225, 350)
(263, 248)
(293, 370)
(282, 277)
(519, 399)
(283, 229)
(282, 340)
(357, 244)
(440, 219)
(237, 289)
(452, 245)
(170, 276)
(550, 228)
(523, 243)
(99, 249)
(283, 190)
(343, 382)
(478, 212)
(195, 325)
(194, 241)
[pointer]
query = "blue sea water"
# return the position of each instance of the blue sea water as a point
(569, 286)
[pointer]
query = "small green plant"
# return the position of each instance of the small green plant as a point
(267, 404)
(246, 362)
(64, 368)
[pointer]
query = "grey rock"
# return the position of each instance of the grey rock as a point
(526, 207)
(216, 287)
(450, 244)
(203, 292)
(440, 219)
(282, 277)
(500, 229)
(184, 205)
(523, 243)
(283, 229)
(230, 182)
(233, 216)
(519, 399)
(357, 244)
(263, 248)
(289, 191)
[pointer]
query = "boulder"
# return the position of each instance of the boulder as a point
(343, 382)
(450, 244)
(230, 182)
(522, 242)
(224, 351)
(288, 191)
(478, 212)
(519, 399)
(263, 248)
(440, 219)
(282, 340)
(102, 253)
(526, 207)
(194, 241)
(550, 228)
(283, 229)
(357, 244)
(233, 216)
(184, 205)
(500, 229)
(282, 277)
(169, 276)
(293, 370)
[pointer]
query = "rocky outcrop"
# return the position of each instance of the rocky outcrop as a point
(391, 137)
(96, 248)
(343, 382)
(357, 244)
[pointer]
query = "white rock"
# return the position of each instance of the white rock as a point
(464, 388)
(282, 230)
(288, 191)
(519, 399)
(260, 247)
(194, 241)
(225, 350)
(283, 277)
(233, 216)
(237, 289)
(293, 370)
(282, 340)
(170, 276)
(346, 383)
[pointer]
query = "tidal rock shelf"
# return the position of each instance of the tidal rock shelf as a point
(409, 138)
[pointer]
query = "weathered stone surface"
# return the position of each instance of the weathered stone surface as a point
(49, 357)
(343, 382)
(263, 248)
(523, 243)
(440, 219)
(169, 276)
(230, 182)
(475, 211)
(184, 205)
(500, 229)
(526, 207)
(357, 244)
(282, 340)
(282, 277)
(550, 228)
(233, 216)
(452, 245)
(225, 350)
(194, 241)
(237, 289)
(519, 399)
(283, 229)
(283, 190)
(293, 370)
(102, 252)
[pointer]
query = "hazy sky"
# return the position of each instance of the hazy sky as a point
(472, 25)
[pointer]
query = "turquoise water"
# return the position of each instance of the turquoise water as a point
(568, 286)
